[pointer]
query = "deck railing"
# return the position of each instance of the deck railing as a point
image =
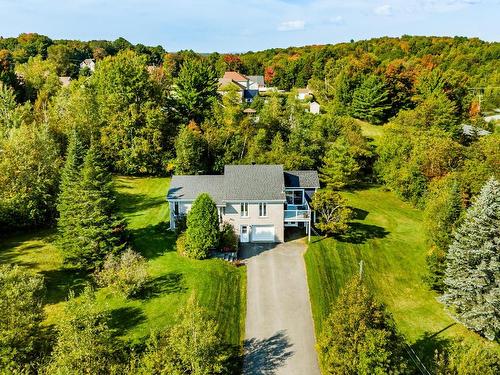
(297, 212)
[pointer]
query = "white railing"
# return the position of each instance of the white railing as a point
(297, 212)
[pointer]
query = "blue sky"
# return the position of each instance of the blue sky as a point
(237, 26)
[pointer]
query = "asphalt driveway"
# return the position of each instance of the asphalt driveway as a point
(279, 334)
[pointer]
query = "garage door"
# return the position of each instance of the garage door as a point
(263, 233)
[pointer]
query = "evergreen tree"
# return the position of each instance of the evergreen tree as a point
(98, 230)
(68, 200)
(339, 166)
(202, 232)
(473, 270)
(195, 89)
(370, 102)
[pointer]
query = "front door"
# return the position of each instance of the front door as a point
(244, 234)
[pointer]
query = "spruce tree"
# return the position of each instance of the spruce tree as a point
(68, 199)
(473, 265)
(96, 230)
(370, 101)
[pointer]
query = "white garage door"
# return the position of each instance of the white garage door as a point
(264, 233)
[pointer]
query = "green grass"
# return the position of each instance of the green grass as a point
(389, 237)
(216, 284)
(372, 132)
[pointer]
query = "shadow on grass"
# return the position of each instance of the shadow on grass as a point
(359, 233)
(359, 214)
(125, 318)
(129, 203)
(60, 281)
(153, 240)
(425, 346)
(266, 356)
(167, 284)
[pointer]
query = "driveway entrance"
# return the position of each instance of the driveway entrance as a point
(279, 334)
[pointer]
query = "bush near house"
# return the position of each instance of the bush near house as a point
(228, 238)
(202, 232)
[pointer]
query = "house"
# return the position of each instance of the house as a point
(472, 131)
(248, 87)
(303, 94)
(88, 63)
(492, 118)
(314, 108)
(258, 200)
(64, 81)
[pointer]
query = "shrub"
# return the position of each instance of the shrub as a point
(332, 210)
(21, 312)
(202, 232)
(464, 359)
(228, 238)
(181, 244)
(126, 274)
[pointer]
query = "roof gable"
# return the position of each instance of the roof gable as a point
(235, 76)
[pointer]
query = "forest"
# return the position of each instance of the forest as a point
(148, 112)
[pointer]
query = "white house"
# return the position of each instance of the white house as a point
(303, 94)
(314, 108)
(248, 86)
(88, 63)
(258, 200)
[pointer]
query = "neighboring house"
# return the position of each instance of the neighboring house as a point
(314, 108)
(492, 118)
(88, 63)
(303, 94)
(471, 131)
(248, 87)
(65, 81)
(258, 200)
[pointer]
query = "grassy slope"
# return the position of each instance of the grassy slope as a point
(218, 285)
(390, 240)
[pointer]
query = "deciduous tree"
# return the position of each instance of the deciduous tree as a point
(333, 213)
(359, 336)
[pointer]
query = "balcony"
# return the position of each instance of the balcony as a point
(297, 213)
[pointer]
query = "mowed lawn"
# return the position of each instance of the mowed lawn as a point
(217, 285)
(388, 236)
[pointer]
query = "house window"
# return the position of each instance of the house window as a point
(263, 209)
(176, 208)
(244, 209)
(294, 197)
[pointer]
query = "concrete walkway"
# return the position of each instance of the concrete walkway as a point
(279, 334)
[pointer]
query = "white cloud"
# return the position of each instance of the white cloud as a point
(338, 20)
(292, 25)
(383, 10)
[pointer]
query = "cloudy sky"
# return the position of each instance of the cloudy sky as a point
(237, 26)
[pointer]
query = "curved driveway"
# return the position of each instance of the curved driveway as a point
(279, 334)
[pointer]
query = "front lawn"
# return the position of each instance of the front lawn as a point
(216, 284)
(389, 237)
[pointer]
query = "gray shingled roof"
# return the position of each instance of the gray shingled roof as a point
(254, 182)
(189, 187)
(242, 182)
(257, 79)
(302, 179)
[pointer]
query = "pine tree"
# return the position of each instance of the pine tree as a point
(370, 102)
(339, 166)
(473, 265)
(95, 230)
